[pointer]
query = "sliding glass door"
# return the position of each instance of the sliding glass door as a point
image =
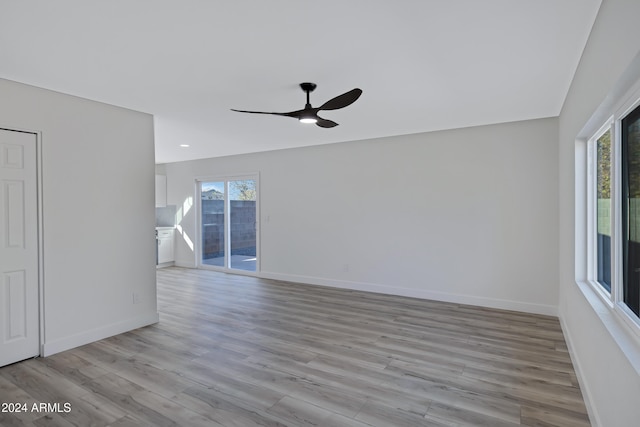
(228, 218)
(242, 224)
(212, 216)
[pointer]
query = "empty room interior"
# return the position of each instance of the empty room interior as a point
(295, 213)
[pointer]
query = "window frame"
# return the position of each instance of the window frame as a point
(620, 307)
(592, 212)
(614, 299)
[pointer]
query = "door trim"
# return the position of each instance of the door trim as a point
(198, 205)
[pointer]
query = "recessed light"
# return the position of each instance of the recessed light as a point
(184, 145)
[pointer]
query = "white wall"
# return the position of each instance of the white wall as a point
(609, 376)
(468, 215)
(98, 205)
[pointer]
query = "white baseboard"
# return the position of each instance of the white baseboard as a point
(97, 334)
(165, 264)
(184, 264)
(584, 386)
(548, 310)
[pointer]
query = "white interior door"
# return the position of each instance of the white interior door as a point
(19, 310)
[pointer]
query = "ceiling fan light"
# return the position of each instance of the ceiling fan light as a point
(308, 120)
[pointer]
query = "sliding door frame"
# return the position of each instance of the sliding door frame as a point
(227, 218)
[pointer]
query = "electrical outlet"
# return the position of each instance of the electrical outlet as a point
(136, 298)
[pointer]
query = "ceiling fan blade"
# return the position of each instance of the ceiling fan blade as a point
(291, 114)
(309, 114)
(324, 123)
(342, 101)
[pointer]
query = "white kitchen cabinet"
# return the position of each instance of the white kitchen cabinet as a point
(161, 191)
(165, 246)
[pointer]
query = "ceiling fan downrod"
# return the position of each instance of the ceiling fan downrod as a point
(308, 88)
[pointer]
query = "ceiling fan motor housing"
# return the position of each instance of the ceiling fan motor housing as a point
(308, 87)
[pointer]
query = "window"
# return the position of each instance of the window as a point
(614, 206)
(630, 141)
(602, 147)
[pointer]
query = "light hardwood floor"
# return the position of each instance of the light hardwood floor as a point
(240, 351)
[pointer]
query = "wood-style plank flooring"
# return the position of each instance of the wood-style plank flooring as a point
(240, 351)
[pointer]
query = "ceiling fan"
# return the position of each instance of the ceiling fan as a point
(310, 114)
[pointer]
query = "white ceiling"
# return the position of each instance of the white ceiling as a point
(423, 65)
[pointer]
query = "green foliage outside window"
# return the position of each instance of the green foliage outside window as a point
(603, 149)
